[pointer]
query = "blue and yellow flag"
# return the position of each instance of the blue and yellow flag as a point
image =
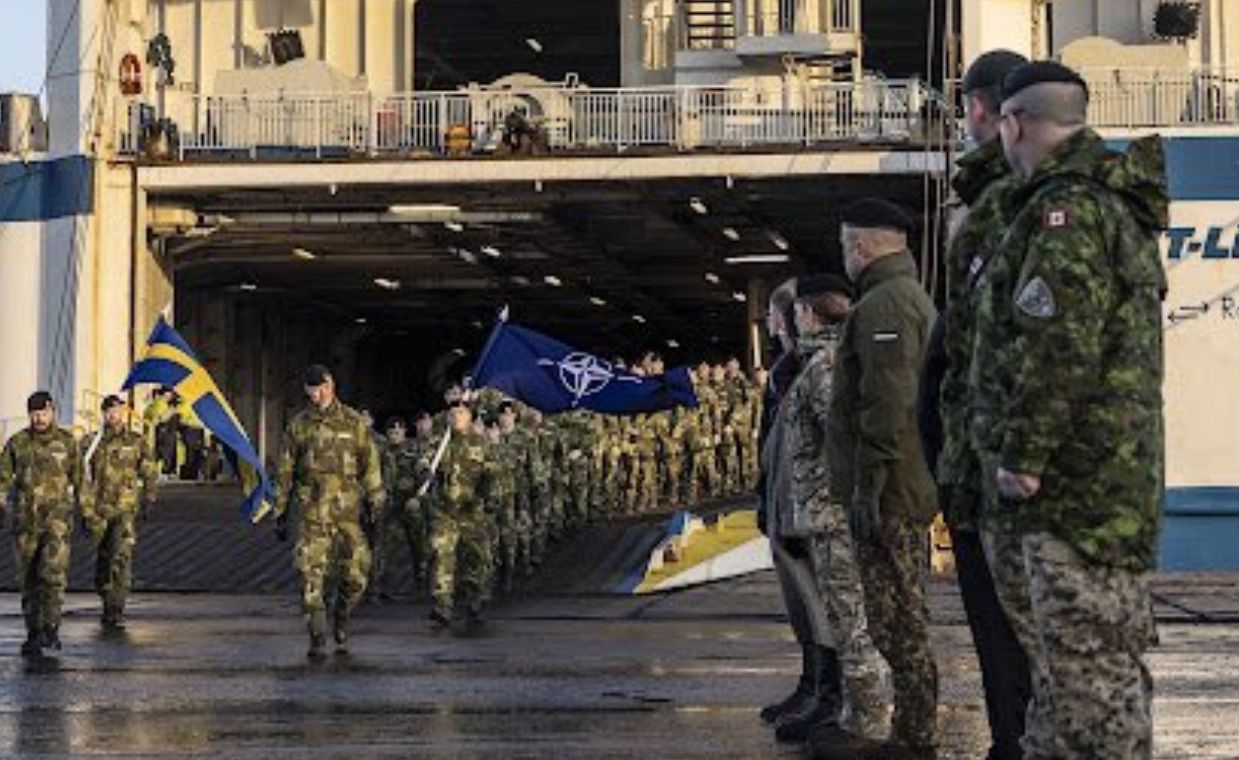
(170, 362)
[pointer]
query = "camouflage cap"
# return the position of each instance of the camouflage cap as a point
(1039, 72)
(39, 401)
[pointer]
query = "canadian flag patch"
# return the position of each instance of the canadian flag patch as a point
(1055, 218)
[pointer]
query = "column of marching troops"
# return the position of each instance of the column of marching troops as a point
(471, 529)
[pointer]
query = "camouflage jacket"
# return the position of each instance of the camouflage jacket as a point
(123, 473)
(983, 178)
(874, 446)
(329, 466)
(1067, 371)
(404, 468)
(465, 479)
(808, 406)
(44, 474)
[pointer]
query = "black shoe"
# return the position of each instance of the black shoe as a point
(796, 727)
(317, 643)
(339, 630)
(33, 645)
(439, 621)
(799, 699)
(51, 638)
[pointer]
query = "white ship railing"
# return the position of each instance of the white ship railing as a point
(571, 118)
(1126, 97)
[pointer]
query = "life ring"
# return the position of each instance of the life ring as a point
(130, 75)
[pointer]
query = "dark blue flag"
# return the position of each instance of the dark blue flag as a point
(552, 377)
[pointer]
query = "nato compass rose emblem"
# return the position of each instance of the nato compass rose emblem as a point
(584, 374)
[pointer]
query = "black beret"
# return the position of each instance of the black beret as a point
(458, 403)
(315, 375)
(876, 213)
(818, 284)
(506, 406)
(112, 402)
(38, 401)
(1039, 72)
(989, 69)
(393, 422)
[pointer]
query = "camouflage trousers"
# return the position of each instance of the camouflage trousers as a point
(462, 564)
(842, 594)
(504, 541)
(892, 567)
(525, 532)
(702, 473)
(576, 503)
(1085, 629)
(115, 539)
(729, 466)
(403, 524)
(334, 562)
(42, 556)
(538, 511)
(674, 481)
(647, 483)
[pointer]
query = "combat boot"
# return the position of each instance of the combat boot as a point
(824, 708)
(318, 635)
(51, 637)
(340, 629)
(33, 645)
(439, 620)
(798, 699)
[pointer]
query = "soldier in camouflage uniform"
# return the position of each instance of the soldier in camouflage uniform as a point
(329, 471)
(503, 458)
(674, 448)
(41, 468)
(817, 517)
(123, 476)
(877, 463)
(703, 473)
(540, 491)
(526, 455)
(649, 429)
(405, 464)
(1066, 416)
(461, 528)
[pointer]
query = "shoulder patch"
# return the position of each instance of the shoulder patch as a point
(1037, 300)
(1056, 217)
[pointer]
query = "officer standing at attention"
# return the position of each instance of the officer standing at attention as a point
(1067, 416)
(330, 471)
(41, 468)
(123, 477)
(878, 466)
(982, 184)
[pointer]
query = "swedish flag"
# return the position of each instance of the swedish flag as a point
(170, 362)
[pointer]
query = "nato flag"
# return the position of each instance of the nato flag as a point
(552, 377)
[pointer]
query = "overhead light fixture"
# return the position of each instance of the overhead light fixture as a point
(520, 279)
(458, 351)
(387, 284)
(454, 226)
(360, 320)
(491, 251)
(779, 241)
(712, 278)
(422, 209)
(638, 319)
(304, 255)
(553, 281)
(249, 287)
(762, 258)
(673, 343)
(698, 205)
(596, 301)
(737, 295)
(731, 234)
(534, 44)
(477, 324)
(467, 255)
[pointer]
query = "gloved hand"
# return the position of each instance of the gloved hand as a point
(281, 527)
(863, 517)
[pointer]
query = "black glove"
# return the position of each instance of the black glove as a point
(281, 527)
(863, 517)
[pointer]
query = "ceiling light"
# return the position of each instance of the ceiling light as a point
(454, 226)
(638, 319)
(596, 301)
(731, 234)
(248, 286)
(419, 209)
(458, 351)
(698, 205)
(553, 281)
(520, 279)
(534, 44)
(739, 296)
(477, 324)
(360, 320)
(712, 278)
(387, 284)
(779, 241)
(673, 343)
(491, 251)
(303, 254)
(765, 258)
(467, 255)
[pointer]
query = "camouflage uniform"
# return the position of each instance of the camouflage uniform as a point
(405, 467)
(123, 474)
(732, 411)
(529, 473)
(702, 470)
(750, 445)
(876, 460)
(45, 470)
(578, 452)
(648, 427)
(821, 519)
(673, 454)
(461, 529)
(502, 456)
(540, 492)
(1066, 383)
(329, 466)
